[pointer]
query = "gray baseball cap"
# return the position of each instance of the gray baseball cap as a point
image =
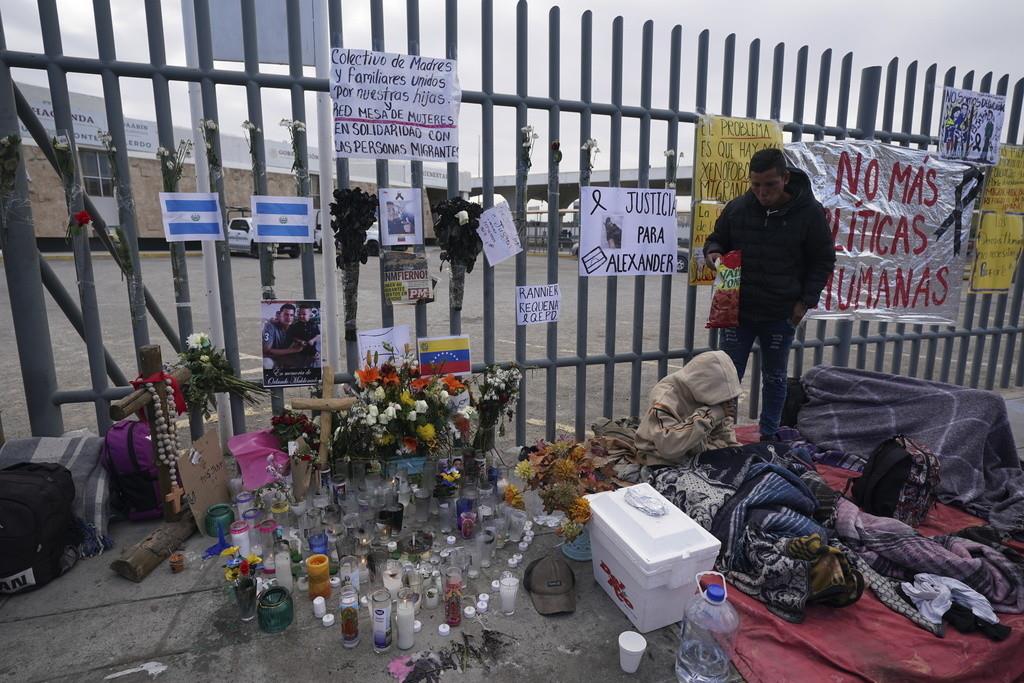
(551, 584)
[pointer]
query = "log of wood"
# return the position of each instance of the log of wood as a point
(335, 404)
(139, 560)
(137, 400)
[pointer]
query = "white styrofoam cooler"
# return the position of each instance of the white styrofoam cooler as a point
(647, 564)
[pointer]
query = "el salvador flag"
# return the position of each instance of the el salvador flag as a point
(283, 219)
(191, 216)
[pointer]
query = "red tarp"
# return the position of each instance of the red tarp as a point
(867, 641)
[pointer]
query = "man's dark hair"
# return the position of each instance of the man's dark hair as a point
(767, 159)
(287, 306)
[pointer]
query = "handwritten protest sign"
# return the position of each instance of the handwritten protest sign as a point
(394, 106)
(498, 233)
(204, 475)
(406, 277)
(972, 123)
(1004, 189)
(998, 250)
(627, 231)
(385, 343)
(536, 304)
(722, 149)
(900, 219)
(703, 224)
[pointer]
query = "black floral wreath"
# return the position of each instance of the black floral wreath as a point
(352, 213)
(459, 241)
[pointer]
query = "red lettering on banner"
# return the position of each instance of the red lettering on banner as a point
(923, 287)
(940, 276)
(929, 178)
(919, 233)
(845, 168)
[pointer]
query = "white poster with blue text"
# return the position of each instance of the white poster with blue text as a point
(191, 216)
(625, 231)
(283, 219)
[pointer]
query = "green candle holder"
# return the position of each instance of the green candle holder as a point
(275, 610)
(218, 514)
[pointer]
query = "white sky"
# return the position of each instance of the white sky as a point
(982, 36)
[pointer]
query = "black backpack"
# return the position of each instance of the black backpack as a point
(900, 480)
(37, 531)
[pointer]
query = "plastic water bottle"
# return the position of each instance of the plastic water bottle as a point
(707, 637)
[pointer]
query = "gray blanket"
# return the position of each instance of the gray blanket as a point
(80, 453)
(855, 410)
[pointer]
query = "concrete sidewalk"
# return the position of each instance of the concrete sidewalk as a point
(92, 625)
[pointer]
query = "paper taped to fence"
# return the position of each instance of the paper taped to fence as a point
(1004, 188)
(394, 106)
(626, 231)
(997, 252)
(283, 219)
(406, 277)
(723, 146)
(537, 304)
(388, 344)
(498, 233)
(901, 219)
(191, 216)
(971, 125)
(702, 225)
(401, 216)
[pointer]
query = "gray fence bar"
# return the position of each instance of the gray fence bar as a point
(612, 283)
(554, 83)
(227, 287)
(583, 283)
(451, 51)
(522, 171)
(299, 114)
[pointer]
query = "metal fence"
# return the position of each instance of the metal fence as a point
(983, 346)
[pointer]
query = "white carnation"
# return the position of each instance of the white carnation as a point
(378, 393)
(421, 406)
(411, 416)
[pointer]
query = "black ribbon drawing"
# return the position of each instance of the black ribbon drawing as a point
(956, 217)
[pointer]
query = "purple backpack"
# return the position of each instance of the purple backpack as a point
(129, 457)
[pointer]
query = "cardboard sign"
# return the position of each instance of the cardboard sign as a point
(537, 304)
(394, 106)
(1004, 189)
(204, 475)
(497, 231)
(704, 216)
(723, 146)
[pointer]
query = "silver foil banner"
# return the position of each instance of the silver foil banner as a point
(901, 219)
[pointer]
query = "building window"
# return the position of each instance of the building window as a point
(96, 175)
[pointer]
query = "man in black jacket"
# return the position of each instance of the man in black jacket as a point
(787, 256)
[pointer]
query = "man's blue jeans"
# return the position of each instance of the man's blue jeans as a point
(775, 339)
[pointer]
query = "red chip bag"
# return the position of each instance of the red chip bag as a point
(725, 303)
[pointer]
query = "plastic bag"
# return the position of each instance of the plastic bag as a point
(725, 303)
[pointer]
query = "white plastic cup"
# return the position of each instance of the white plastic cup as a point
(631, 650)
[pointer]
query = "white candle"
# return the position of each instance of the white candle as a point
(406, 619)
(509, 588)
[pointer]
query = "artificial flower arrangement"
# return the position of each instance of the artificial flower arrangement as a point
(456, 228)
(212, 374)
(353, 212)
(562, 472)
(400, 413)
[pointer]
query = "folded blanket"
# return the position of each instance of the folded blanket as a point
(898, 551)
(80, 453)
(853, 411)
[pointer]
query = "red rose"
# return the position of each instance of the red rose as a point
(83, 218)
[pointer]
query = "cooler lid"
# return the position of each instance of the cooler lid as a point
(655, 544)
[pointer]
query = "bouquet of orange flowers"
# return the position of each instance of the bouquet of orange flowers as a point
(400, 413)
(562, 472)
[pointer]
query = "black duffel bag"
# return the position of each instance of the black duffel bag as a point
(37, 530)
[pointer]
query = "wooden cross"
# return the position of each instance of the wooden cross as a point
(327, 404)
(174, 497)
(150, 363)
